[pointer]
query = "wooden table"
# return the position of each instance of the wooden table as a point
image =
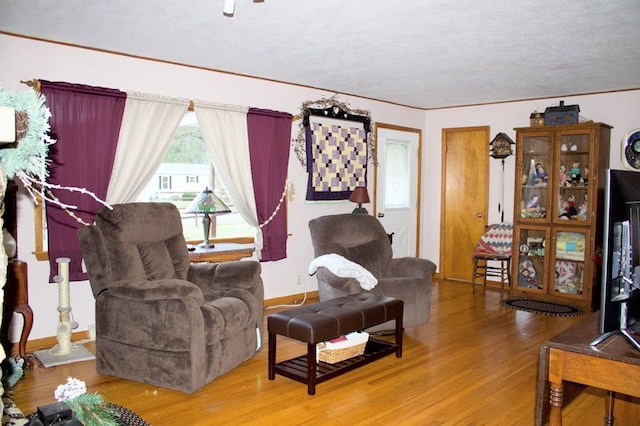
(16, 299)
(613, 365)
(221, 252)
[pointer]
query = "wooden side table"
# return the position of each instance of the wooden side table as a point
(16, 299)
(614, 365)
(221, 252)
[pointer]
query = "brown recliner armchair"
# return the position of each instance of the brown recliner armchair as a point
(160, 319)
(362, 239)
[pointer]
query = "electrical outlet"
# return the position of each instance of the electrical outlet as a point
(299, 281)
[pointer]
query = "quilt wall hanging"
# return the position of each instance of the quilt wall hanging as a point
(336, 151)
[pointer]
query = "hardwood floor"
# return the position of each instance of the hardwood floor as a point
(474, 363)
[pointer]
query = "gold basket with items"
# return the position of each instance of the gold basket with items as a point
(342, 348)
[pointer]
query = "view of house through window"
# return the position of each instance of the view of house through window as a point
(183, 174)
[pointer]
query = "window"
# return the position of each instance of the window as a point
(182, 175)
(165, 182)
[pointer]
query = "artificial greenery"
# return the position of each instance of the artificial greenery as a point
(92, 410)
(27, 160)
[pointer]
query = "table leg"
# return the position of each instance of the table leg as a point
(556, 393)
(542, 391)
(272, 355)
(311, 368)
(27, 315)
(608, 417)
(399, 333)
(555, 401)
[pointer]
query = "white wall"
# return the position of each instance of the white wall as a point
(619, 110)
(33, 59)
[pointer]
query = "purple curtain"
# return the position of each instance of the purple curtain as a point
(85, 121)
(269, 140)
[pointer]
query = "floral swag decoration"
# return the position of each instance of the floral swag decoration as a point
(299, 143)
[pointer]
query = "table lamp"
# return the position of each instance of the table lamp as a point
(360, 195)
(207, 203)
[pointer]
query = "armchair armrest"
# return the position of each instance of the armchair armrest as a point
(165, 289)
(410, 267)
(161, 314)
(214, 277)
(350, 285)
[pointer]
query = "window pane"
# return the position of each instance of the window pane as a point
(183, 174)
(397, 175)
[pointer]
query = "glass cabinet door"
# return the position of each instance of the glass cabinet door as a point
(570, 261)
(534, 195)
(531, 258)
(572, 184)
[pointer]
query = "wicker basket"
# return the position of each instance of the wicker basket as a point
(353, 346)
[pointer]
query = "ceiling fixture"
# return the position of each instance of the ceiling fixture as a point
(229, 6)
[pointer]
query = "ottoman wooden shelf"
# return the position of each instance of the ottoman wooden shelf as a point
(326, 320)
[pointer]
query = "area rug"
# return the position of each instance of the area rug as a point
(127, 417)
(12, 415)
(78, 353)
(544, 308)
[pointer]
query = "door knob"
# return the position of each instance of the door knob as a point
(380, 214)
(478, 214)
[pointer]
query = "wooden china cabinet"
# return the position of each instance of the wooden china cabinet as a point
(558, 208)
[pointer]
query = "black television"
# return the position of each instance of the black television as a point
(620, 283)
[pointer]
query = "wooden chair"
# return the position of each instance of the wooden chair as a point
(493, 246)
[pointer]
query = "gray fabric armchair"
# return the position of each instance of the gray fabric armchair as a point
(160, 319)
(362, 239)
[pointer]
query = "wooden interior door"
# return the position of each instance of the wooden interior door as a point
(465, 182)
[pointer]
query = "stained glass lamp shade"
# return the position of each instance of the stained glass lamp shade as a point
(207, 203)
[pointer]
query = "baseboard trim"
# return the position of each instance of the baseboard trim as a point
(48, 342)
(51, 341)
(293, 299)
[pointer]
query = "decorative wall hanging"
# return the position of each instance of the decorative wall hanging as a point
(299, 143)
(335, 153)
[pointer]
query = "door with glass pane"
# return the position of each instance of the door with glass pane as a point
(396, 186)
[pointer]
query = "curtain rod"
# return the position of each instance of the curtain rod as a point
(34, 83)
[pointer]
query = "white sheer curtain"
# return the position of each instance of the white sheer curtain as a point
(148, 126)
(224, 130)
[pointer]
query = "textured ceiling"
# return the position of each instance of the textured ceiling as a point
(420, 53)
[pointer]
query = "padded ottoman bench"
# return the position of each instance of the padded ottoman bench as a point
(326, 320)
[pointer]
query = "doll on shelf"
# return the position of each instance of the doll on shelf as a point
(574, 173)
(533, 202)
(585, 176)
(569, 208)
(582, 211)
(541, 175)
(562, 175)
